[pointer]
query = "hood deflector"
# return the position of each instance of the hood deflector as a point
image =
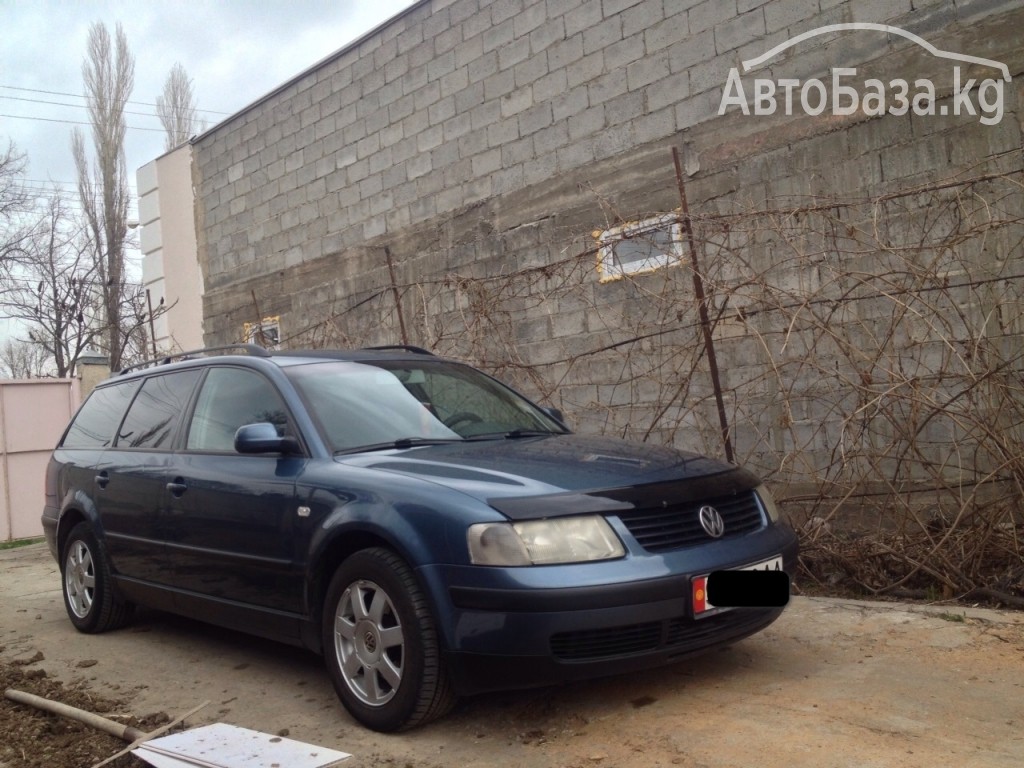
(612, 500)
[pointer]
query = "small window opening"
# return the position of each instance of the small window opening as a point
(639, 246)
(266, 333)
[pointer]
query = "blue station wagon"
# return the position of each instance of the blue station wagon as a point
(429, 531)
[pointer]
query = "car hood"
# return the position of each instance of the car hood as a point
(572, 472)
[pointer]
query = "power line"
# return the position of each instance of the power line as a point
(77, 122)
(91, 281)
(44, 185)
(73, 106)
(80, 96)
(68, 195)
(39, 185)
(42, 189)
(50, 181)
(74, 203)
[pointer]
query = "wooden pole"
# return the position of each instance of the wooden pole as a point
(134, 736)
(100, 723)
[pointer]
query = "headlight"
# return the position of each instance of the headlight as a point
(767, 503)
(543, 542)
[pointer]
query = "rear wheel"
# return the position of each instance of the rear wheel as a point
(381, 646)
(90, 598)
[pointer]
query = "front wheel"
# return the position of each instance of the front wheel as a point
(90, 598)
(381, 646)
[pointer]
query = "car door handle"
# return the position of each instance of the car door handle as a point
(102, 479)
(177, 488)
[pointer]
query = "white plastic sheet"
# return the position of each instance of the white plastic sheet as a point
(227, 746)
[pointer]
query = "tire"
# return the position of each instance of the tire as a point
(380, 644)
(90, 597)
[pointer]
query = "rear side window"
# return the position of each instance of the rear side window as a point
(231, 398)
(97, 419)
(155, 412)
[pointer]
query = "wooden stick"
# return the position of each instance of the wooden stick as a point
(121, 731)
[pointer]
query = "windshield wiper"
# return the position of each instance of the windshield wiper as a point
(514, 434)
(401, 444)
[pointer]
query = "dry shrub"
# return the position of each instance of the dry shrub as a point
(870, 351)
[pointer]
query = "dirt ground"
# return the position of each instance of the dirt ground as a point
(832, 683)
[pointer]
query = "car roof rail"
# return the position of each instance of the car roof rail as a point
(250, 349)
(401, 347)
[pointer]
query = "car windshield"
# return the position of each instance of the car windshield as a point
(376, 404)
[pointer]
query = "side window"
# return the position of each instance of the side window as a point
(154, 413)
(229, 399)
(97, 419)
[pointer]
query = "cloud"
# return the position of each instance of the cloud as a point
(235, 52)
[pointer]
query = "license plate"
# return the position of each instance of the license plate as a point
(702, 606)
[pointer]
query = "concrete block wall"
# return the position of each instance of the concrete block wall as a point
(474, 138)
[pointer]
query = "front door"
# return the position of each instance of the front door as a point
(231, 518)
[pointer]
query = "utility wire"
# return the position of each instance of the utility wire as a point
(69, 187)
(50, 181)
(80, 96)
(73, 106)
(76, 122)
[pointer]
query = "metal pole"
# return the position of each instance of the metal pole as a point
(152, 331)
(702, 308)
(398, 298)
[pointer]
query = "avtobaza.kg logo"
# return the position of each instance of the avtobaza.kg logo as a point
(982, 98)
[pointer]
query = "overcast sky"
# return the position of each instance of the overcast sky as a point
(235, 51)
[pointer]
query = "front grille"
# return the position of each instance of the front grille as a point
(677, 636)
(677, 526)
(604, 643)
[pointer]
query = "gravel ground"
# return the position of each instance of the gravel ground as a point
(832, 683)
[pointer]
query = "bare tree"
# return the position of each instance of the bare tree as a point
(21, 359)
(53, 294)
(176, 108)
(12, 194)
(109, 75)
(14, 202)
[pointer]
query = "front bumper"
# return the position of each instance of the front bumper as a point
(649, 646)
(587, 654)
(522, 635)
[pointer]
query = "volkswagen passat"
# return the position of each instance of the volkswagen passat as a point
(428, 530)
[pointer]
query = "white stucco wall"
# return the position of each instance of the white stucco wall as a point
(170, 264)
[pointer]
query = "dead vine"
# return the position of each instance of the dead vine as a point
(871, 354)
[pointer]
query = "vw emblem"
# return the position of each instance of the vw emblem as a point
(711, 521)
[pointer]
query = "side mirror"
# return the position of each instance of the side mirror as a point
(263, 438)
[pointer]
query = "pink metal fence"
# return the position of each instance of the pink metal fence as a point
(33, 414)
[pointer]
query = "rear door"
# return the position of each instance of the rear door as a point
(136, 472)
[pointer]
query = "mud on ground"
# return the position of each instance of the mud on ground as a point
(36, 739)
(832, 684)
